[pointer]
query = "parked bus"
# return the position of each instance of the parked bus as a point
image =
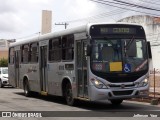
(93, 62)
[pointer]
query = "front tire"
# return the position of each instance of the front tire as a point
(116, 102)
(69, 95)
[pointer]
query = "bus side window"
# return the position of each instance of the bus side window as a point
(55, 49)
(25, 54)
(68, 47)
(34, 52)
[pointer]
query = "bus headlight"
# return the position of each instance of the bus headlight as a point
(142, 83)
(98, 84)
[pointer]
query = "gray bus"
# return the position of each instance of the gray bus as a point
(92, 62)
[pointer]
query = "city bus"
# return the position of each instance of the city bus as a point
(93, 62)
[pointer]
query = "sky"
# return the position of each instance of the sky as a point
(22, 18)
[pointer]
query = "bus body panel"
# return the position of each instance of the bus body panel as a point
(57, 72)
(52, 78)
(11, 75)
(31, 71)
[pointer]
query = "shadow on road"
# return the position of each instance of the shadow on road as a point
(7, 87)
(94, 106)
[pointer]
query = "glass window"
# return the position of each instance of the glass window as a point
(55, 49)
(5, 71)
(106, 50)
(11, 56)
(139, 49)
(113, 55)
(34, 52)
(68, 47)
(135, 48)
(25, 53)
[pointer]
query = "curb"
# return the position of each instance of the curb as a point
(142, 103)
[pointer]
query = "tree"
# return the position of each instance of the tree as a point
(3, 62)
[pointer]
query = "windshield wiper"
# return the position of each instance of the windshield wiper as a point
(129, 43)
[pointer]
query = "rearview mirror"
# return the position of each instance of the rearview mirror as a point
(149, 50)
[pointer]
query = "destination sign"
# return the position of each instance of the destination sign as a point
(103, 30)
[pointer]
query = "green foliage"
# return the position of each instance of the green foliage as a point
(3, 62)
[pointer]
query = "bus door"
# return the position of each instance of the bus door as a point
(43, 68)
(17, 66)
(81, 59)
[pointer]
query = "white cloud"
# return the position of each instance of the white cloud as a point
(11, 23)
(23, 17)
(7, 7)
(83, 8)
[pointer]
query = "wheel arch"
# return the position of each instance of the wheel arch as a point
(64, 82)
(25, 78)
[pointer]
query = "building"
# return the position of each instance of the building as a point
(46, 22)
(4, 44)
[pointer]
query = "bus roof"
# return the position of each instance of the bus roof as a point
(79, 29)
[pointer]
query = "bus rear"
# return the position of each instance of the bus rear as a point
(119, 62)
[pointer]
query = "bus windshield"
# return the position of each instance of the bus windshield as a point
(121, 55)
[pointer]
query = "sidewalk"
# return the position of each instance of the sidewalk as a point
(151, 96)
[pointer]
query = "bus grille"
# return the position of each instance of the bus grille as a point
(119, 86)
(127, 92)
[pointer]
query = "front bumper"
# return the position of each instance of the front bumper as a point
(5, 81)
(126, 93)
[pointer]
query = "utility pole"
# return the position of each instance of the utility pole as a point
(65, 24)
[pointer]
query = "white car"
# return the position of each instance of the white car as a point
(3, 76)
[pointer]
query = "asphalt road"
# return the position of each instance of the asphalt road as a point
(12, 99)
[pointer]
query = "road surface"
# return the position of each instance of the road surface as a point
(13, 100)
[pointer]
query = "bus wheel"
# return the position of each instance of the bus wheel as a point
(1, 85)
(69, 95)
(116, 102)
(27, 92)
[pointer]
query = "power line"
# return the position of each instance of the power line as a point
(145, 1)
(133, 5)
(111, 13)
(99, 16)
(124, 8)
